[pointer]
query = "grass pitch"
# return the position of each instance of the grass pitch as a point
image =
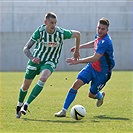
(114, 116)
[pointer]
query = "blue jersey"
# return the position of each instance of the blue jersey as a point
(104, 47)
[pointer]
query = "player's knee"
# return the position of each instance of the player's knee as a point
(43, 79)
(25, 87)
(77, 84)
(90, 95)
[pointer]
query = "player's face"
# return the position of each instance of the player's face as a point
(50, 24)
(102, 30)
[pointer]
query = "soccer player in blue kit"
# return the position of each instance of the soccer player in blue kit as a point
(97, 71)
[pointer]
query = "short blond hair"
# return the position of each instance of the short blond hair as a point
(104, 21)
(50, 15)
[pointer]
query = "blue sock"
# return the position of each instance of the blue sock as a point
(99, 95)
(69, 98)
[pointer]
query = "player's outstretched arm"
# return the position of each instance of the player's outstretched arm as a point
(85, 45)
(89, 59)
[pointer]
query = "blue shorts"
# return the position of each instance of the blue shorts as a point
(98, 79)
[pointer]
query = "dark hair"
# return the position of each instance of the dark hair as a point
(50, 15)
(104, 21)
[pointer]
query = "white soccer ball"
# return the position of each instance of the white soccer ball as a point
(78, 112)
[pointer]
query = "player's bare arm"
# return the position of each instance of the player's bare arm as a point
(27, 52)
(76, 34)
(89, 59)
(85, 45)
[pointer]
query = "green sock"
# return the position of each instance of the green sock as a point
(22, 95)
(36, 90)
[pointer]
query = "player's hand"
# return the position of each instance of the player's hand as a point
(71, 61)
(36, 60)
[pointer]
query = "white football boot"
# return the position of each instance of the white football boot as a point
(100, 101)
(61, 113)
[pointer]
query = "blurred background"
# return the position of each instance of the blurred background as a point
(19, 19)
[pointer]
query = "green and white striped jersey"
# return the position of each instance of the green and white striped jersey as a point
(48, 46)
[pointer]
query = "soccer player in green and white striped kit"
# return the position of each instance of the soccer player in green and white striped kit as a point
(48, 40)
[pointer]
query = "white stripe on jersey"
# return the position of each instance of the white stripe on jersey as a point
(52, 36)
(36, 50)
(43, 36)
(48, 54)
(59, 49)
(44, 54)
(57, 35)
(38, 55)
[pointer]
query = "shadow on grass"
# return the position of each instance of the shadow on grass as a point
(54, 121)
(104, 117)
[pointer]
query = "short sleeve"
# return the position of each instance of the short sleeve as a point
(102, 46)
(66, 33)
(36, 35)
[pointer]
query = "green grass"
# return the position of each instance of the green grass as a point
(115, 116)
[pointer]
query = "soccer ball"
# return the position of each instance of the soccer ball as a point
(78, 112)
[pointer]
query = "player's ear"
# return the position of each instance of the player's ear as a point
(45, 21)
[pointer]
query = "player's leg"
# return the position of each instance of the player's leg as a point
(97, 94)
(39, 86)
(22, 93)
(83, 77)
(70, 98)
(23, 90)
(72, 93)
(97, 85)
(100, 95)
(46, 72)
(31, 72)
